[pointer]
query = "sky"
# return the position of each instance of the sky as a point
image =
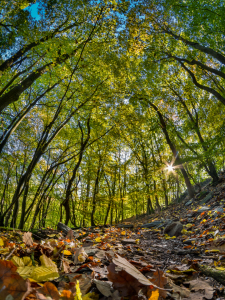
(33, 8)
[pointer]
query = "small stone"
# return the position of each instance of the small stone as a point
(125, 226)
(202, 194)
(173, 229)
(203, 208)
(207, 198)
(128, 241)
(152, 224)
(218, 209)
(189, 202)
(165, 223)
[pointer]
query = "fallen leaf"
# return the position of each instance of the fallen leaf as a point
(200, 285)
(80, 256)
(130, 269)
(154, 295)
(49, 290)
(66, 267)
(159, 279)
(12, 285)
(104, 287)
(179, 292)
(70, 235)
(27, 239)
(66, 252)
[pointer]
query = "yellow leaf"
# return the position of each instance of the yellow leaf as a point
(169, 237)
(27, 261)
(123, 232)
(137, 241)
(90, 296)
(47, 262)
(1, 242)
(67, 252)
(188, 225)
(212, 251)
(4, 250)
(25, 271)
(44, 274)
(185, 271)
(98, 240)
(154, 295)
(18, 261)
(78, 292)
(220, 268)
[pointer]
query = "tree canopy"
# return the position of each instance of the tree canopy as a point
(109, 108)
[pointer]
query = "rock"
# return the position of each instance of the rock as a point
(189, 202)
(165, 223)
(218, 209)
(203, 208)
(125, 226)
(64, 228)
(173, 229)
(207, 198)
(128, 241)
(202, 195)
(152, 224)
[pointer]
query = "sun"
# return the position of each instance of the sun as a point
(170, 168)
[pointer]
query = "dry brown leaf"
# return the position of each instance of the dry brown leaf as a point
(130, 269)
(27, 239)
(160, 281)
(49, 290)
(201, 287)
(105, 287)
(179, 292)
(70, 235)
(84, 283)
(80, 256)
(126, 284)
(11, 283)
(66, 267)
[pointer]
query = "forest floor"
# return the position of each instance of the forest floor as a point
(178, 253)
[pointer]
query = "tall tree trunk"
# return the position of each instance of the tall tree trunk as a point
(95, 192)
(190, 188)
(66, 202)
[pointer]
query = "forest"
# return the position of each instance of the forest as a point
(109, 108)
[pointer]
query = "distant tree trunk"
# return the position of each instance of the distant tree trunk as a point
(156, 197)
(87, 199)
(190, 188)
(45, 212)
(150, 209)
(95, 192)
(24, 205)
(66, 202)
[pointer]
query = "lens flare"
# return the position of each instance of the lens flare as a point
(170, 168)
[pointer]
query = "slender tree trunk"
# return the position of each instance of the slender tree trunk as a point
(150, 209)
(95, 193)
(190, 188)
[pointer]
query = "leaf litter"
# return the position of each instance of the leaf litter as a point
(129, 261)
